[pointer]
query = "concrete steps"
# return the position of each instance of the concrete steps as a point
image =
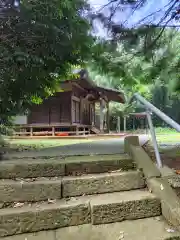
(77, 165)
(95, 130)
(174, 181)
(42, 189)
(141, 229)
(95, 209)
(115, 207)
(29, 190)
(39, 196)
(102, 183)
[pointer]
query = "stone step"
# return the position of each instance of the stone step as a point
(31, 169)
(29, 190)
(77, 165)
(140, 229)
(116, 207)
(95, 209)
(42, 189)
(174, 181)
(102, 183)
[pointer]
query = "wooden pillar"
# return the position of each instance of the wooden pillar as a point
(53, 131)
(77, 130)
(71, 112)
(93, 114)
(101, 116)
(81, 110)
(124, 123)
(133, 123)
(119, 124)
(31, 131)
(107, 118)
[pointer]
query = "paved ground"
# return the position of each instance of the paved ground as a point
(109, 146)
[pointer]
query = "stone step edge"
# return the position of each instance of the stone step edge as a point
(44, 189)
(118, 230)
(48, 168)
(102, 183)
(77, 212)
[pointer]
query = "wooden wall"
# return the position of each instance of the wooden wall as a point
(86, 108)
(56, 109)
(64, 107)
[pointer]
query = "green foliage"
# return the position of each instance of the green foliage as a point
(6, 130)
(155, 77)
(37, 49)
(131, 68)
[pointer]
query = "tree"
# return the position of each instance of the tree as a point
(155, 76)
(117, 16)
(37, 49)
(134, 70)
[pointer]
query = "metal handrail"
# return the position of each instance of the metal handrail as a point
(150, 108)
(155, 110)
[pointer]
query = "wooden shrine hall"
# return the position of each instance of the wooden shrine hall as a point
(80, 107)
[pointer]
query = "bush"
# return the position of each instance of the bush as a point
(6, 130)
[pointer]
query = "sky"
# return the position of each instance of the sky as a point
(150, 7)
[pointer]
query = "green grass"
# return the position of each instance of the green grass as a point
(170, 138)
(167, 135)
(164, 135)
(161, 130)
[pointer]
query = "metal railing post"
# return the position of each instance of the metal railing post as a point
(154, 140)
(151, 108)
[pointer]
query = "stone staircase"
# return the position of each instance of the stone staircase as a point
(87, 197)
(95, 130)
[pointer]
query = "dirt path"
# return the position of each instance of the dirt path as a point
(109, 146)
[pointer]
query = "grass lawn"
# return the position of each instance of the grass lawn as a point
(170, 152)
(160, 130)
(169, 138)
(167, 135)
